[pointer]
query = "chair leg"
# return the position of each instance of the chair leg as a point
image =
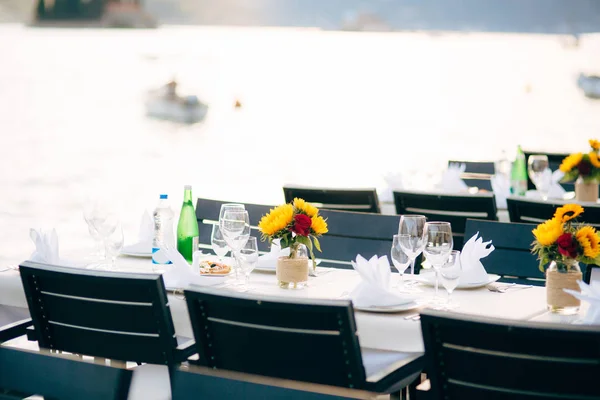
(397, 396)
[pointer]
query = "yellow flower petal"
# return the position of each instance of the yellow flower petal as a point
(589, 241)
(594, 159)
(570, 162)
(568, 212)
(276, 220)
(548, 232)
(318, 225)
(595, 144)
(305, 207)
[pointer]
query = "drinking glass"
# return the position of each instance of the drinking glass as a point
(113, 245)
(540, 174)
(235, 227)
(450, 273)
(410, 231)
(230, 206)
(399, 258)
(438, 245)
(248, 256)
(219, 245)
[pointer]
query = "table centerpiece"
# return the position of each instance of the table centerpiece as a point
(561, 244)
(584, 169)
(296, 225)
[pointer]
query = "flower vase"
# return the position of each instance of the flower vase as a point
(559, 276)
(292, 270)
(586, 190)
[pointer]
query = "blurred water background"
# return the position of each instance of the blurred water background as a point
(320, 106)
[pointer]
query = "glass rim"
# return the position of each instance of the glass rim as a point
(412, 216)
(438, 223)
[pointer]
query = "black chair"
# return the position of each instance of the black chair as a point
(592, 274)
(302, 340)
(350, 233)
(120, 316)
(512, 257)
(358, 200)
(554, 161)
(537, 211)
(448, 207)
(477, 173)
(208, 383)
(25, 373)
(480, 358)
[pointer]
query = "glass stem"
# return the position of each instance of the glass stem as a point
(412, 266)
(247, 281)
(436, 283)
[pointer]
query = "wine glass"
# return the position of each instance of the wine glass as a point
(230, 206)
(218, 243)
(235, 227)
(410, 231)
(114, 244)
(540, 174)
(248, 256)
(450, 273)
(438, 245)
(399, 258)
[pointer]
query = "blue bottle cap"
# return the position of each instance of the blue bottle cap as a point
(164, 196)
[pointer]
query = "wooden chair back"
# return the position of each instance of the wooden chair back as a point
(512, 257)
(554, 161)
(121, 316)
(470, 357)
(350, 233)
(537, 211)
(477, 173)
(298, 339)
(452, 208)
(25, 373)
(358, 200)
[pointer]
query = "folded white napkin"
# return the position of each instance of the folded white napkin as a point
(591, 294)
(374, 288)
(501, 188)
(46, 246)
(451, 181)
(393, 182)
(180, 274)
(474, 250)
(269, 260)
(145, 236)
(555, 191)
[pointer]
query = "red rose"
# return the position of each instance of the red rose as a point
(567, 245)
(584, 168)
(302, 225)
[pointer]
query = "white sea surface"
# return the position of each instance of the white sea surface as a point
(321, 108)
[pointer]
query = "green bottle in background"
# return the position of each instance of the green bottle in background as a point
(187, 227)
(518, 174)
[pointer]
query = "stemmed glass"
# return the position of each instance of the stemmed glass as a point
(218, 243)
(450, 273)
(540, 174)
(411, 238)
(399, 258)
(113, 245)
(438, 245)
(235, 226)
(248, 256)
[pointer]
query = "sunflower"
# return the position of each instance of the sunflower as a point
(594, 159)
(318, 225)
(305, 207)
(546, 233)
(589, 241)
(568, 212)
(276, 220)
(595, 144)
(570, 162)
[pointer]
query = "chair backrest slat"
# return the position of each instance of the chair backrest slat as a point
(306, 341)
(455, 209)
(469, 356)
(477, 173)
(357, 200)
(57, 377)
(350, 233)
(512, 255)
(537, 211)
(98, 313)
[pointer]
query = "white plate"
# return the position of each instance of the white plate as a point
(390, 309)
(136, 254)
(428, 279)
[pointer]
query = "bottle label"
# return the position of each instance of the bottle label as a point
(159, 257)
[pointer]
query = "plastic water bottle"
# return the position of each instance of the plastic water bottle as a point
(163, 230)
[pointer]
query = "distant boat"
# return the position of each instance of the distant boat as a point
(590, 84)
(165, 103)
(364, 21)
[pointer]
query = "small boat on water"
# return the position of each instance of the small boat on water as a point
(590, 84)
(165, 103)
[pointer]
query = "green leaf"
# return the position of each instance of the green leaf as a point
(317, 244)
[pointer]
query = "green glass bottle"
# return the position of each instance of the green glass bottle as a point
(518, 174)
(187, 227)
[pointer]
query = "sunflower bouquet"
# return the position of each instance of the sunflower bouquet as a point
(584, 165)
(294, 223)
(561, 240)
